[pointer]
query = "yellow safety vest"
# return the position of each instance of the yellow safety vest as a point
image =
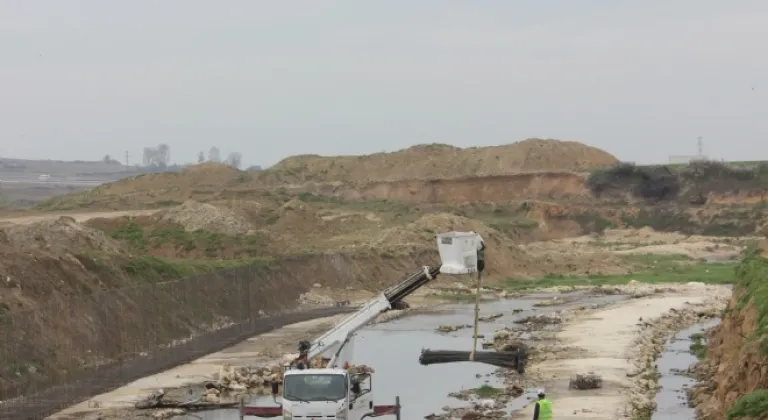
(545, 409)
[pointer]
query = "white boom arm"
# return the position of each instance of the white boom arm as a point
(458, 254)
(335, 339)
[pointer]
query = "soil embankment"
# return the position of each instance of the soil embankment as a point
(494, 188)
(439, 161)
(733, 375)
(77, 335)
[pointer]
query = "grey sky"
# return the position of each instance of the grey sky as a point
(641, 79)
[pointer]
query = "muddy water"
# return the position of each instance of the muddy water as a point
(393, 350)
(671, 401)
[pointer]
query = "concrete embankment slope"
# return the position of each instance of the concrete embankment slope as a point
(734, 375)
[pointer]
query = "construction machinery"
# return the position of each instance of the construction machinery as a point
(336, 391)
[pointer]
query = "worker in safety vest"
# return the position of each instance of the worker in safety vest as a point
(543, 409)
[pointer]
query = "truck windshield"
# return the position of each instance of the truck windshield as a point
(315, 387)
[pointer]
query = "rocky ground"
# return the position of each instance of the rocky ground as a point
(597, 362)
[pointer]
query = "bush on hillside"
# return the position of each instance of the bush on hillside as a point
(708, 170)
(650, 183)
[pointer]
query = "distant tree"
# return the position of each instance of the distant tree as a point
(235, 159)
(157, 157)
(106, 159)
(214, 155)
(254, 168)
(201, 157)
(164, 154)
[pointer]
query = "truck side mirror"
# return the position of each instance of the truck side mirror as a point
(275, 388)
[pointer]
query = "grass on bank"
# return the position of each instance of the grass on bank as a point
(752, 288)
(647, 269)
(752, 405)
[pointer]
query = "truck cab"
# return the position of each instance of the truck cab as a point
(326, 393)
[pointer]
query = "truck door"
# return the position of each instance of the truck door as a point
(360, 395)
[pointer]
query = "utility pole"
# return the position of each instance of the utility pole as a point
(700, 144)
(126, 158)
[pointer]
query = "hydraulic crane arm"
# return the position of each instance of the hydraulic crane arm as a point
(335, 339)
(458, 255)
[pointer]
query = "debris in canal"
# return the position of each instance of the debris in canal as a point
(167, 408)
(451, 328)
(586, 381)
(504, 359)
(489, 318)
(540, 319)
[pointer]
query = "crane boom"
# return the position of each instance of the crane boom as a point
(336, 338)
(337, 392)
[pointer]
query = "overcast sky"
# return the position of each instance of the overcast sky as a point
(640, 79)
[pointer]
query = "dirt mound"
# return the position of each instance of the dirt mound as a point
(63, 234)
(200, 216)
(494, 188)
(297, 216)
(442, 162)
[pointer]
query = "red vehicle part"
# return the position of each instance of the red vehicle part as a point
(262, 411)
(378, 410)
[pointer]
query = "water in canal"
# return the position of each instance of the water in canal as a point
(393, 350)
(671, 401)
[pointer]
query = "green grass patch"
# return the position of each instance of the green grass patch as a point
(698, 345)
(487, 391)
(753, 405)
(131, 233)
(667, 269)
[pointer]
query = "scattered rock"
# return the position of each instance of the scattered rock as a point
(451, 328)
(488, 318)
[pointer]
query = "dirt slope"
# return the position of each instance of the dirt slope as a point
(442, 161)
(733, 375)
(493, 188)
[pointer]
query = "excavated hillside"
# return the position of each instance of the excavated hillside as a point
(439, 161)
(78, 296)
(734, 374)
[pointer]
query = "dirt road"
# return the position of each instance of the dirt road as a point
(609, 343)
(79, 217)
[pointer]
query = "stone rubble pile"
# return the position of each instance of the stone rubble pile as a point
(258, 380)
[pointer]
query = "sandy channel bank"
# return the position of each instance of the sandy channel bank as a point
(611, 342)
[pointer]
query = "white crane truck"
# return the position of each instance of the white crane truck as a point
(333, 392)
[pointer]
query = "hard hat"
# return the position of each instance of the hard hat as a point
(540, 391)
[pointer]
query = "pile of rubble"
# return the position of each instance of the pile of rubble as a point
(258, 380)
(451, 328)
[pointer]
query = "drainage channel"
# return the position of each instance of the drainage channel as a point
(671, 401)
(393, 350)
